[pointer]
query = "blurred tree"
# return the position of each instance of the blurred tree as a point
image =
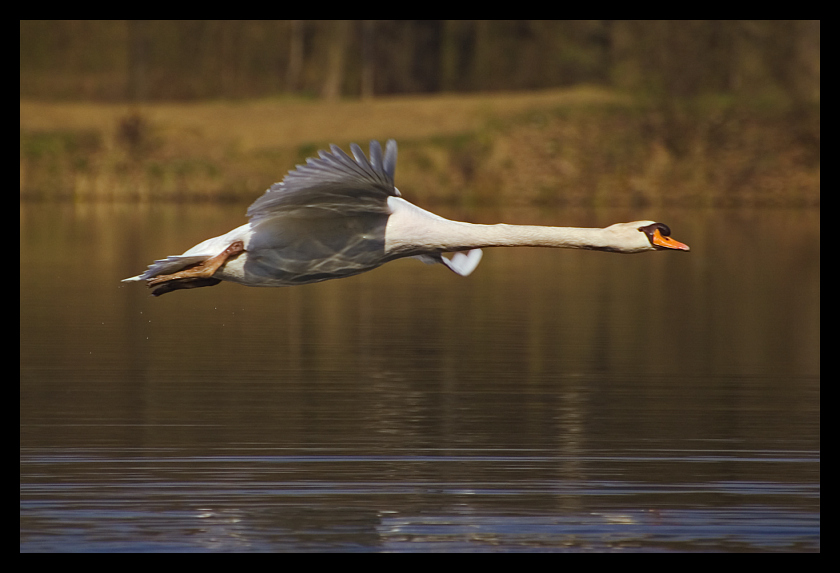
(295, 66)
(136, 60)
(336, 54)
(368, 57)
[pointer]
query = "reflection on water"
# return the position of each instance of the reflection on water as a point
(166, 500)
(552, 400)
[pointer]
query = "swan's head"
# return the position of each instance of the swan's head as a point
(641, 236)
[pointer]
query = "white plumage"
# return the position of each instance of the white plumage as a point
(338, 216)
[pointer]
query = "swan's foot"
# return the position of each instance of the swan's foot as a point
(177, 284)
(196, 276)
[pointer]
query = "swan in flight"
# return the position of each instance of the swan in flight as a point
(339, 216)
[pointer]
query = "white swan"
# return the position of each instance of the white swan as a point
(335, 217)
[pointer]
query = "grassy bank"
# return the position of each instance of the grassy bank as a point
(583, 146)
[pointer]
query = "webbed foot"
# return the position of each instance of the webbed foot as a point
(196, 276)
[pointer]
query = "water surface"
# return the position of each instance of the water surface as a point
(554, 400)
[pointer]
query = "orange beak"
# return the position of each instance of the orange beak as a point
(667, 242)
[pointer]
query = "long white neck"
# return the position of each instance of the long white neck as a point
(412, 229)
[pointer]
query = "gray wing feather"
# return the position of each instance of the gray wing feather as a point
(334, 183)
(390, 165)
(376, 156)
(342, 159)
(359, 154)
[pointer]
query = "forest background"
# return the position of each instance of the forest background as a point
(590, 113)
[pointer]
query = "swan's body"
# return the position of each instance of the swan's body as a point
(336, 217)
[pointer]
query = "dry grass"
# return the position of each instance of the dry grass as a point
(266, 124)
(581, 146)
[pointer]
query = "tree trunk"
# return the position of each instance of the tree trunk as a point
(336, 49)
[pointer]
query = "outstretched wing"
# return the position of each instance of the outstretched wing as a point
(334, 183)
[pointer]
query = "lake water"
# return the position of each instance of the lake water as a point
(552, 401)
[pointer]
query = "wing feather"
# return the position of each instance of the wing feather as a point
(334, 183)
